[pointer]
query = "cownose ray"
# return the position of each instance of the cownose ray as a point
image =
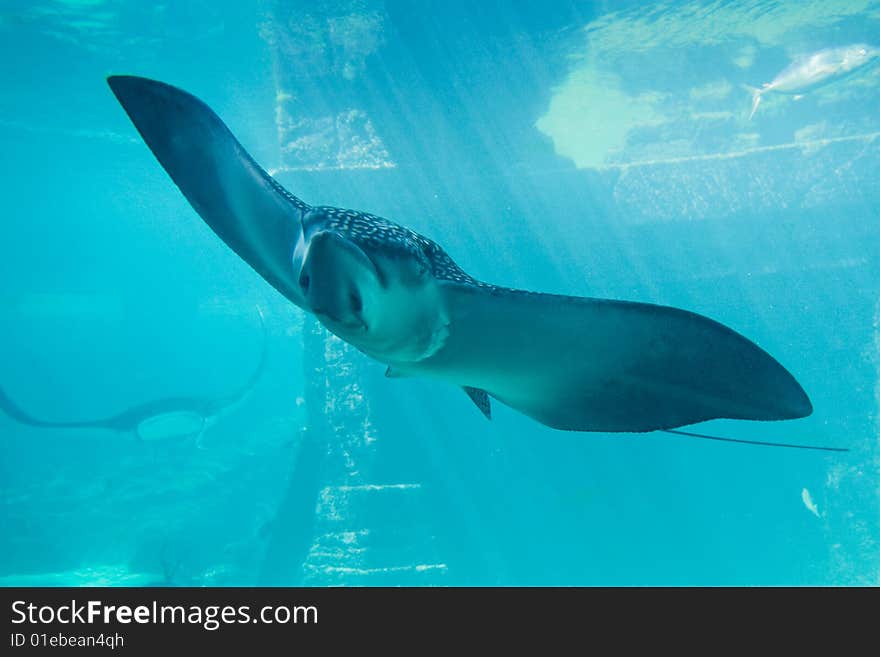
(157, 419)
(571, 363)
(815, 70)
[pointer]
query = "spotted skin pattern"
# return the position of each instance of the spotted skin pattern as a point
(375, 233)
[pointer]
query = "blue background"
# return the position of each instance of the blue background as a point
(585, 148)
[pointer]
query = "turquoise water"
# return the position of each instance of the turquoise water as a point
(587, 148)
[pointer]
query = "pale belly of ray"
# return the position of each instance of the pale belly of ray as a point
(170, 426)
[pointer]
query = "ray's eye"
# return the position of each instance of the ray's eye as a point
(304, 282)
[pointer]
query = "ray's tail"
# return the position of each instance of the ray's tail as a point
(762, 443)
(239, 396)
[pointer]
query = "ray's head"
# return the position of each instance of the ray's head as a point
(335, 278)
(370, 286)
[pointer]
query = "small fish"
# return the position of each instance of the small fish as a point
(815, 70)
(809, 503)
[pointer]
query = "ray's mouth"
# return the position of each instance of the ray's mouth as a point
(333, 319)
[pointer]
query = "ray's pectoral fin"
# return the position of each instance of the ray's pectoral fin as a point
(246, 207)
(392, 373)
(476, 395)
(599, 365)
(481, 399)
(21, 416)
